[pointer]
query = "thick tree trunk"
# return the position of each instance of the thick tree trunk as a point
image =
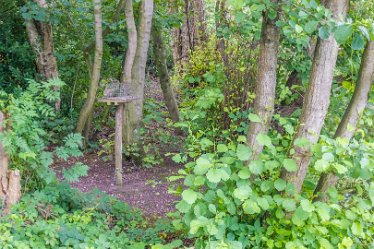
(356, 107)
(266, 80)
(95, 72)
(133, 112)
(41, 40)
(167, 90)
(317, 98)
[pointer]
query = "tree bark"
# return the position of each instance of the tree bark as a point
(10, 180)
(133, 112)
(160, 58)
(95, 72)
(132, 43)
(356, 107)
(266, 80)
(317, 98)
(3, 164)
(41, 40)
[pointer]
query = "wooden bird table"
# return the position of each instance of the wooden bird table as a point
(120, 102)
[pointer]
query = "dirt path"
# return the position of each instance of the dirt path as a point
(146, 189)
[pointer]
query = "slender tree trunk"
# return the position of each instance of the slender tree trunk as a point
(167, 90)
(95, 72)
(41, 40)
(317, 98)
(133, 112)
(132, 43)
(266, 80)
(356, 107)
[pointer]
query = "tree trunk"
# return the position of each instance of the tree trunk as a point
(132, 43)
(133, 112)
(317, 98)
(41, 40)
(356, 107)
(266, 80)
(167, 90)
(118, 145)
(10, 180)
(95, 72)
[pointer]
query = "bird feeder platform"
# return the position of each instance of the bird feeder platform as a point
(118, 94)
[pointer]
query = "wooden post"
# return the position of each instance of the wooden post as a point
(118, 144)
(3, 164)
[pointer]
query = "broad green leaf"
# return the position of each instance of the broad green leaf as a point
(183, 206)
(357, 229)
(289, 205)
(298, 29)
(254, 118)
(340, 168)
(324, 33)
(323, 211)
(243, 192)
(243, 152)
(251, 207)
(307, 206)
(343, 33)
(222, 148)
(302, 142)
(264, 139)
(216, 175)
(244, 173)
(266, 185)
(202, 166)
(358, 42)
(280, 184)
(263, 203)
(311, 26)
(325, 244)
(346, 242)
(256, 167)
(189, 196)
(299, 217)
(321, 165)
(290, 165)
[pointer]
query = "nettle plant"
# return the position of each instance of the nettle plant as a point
(227, 203)
(26, 139)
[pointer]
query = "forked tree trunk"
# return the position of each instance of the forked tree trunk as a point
(167, 89)
(95, 72)
(10, 180)
(41, 40)
(266, 80)
(356, 107)
(133, 112)
(317, 98)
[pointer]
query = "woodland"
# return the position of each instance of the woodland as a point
(207, 124)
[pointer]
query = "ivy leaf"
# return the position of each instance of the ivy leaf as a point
(189, 196)
(266, 185)
(280, 184)
(357, 229)
(340, 168)
(254, 118)
(299, 217)
(73, 173)
(323, 211)
(324, 33)
(216, 175)
(343, 33)
(290, 165)
(263, 203)
(244, 173)
(243, 152)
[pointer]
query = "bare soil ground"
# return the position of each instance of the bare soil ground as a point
(146, 189)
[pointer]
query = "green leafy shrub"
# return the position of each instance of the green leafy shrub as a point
(61, 217)
(226, 204)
